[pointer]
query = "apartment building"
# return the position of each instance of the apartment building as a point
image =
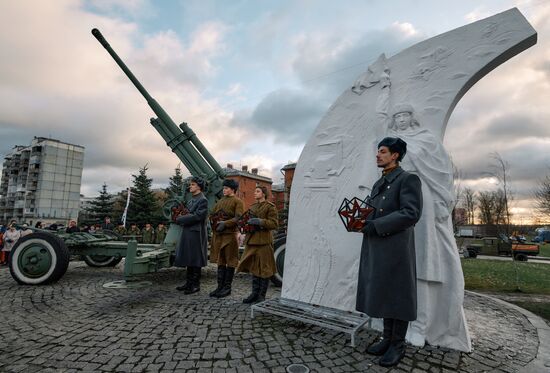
(41, 182)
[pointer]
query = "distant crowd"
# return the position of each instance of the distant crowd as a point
(12, 232)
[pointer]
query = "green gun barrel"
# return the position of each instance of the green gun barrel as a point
(182, 140)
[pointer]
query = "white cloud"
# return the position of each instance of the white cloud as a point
(405, 28)
(58, 81)
(64, 84)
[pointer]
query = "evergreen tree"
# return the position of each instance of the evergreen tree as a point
(100, 207)
(143, 204)
(176, 184)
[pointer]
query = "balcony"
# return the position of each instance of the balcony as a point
(35, 159)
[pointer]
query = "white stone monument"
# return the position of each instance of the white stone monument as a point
(426, 80)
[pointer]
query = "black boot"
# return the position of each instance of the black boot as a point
(226, 290)
(221, 281)
(188, 280)
(382, 346)
(397, 348)
(255, 291)
(264, 284)
(195, 285)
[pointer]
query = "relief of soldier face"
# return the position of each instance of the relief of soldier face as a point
(402, 120)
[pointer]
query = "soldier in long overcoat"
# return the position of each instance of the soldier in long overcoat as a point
(224, 247)
(387, 271)
(258, 257)
(191, 250)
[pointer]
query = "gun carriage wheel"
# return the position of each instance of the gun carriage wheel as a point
(280, 247)
(520, 257)
(39, 258)
(101, 260)
(104, 260)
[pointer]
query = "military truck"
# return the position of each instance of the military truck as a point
(501, 245)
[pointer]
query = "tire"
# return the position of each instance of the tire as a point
(99, 261)
(280, 248)
(38, 259)
(520, 257)
(472, 254)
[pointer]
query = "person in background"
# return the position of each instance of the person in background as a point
(72, 228)
(258, 257)
(25, 231)
(120, 229)
(148, 234)
(161, 233)
(39, 225)
(3, 254)
(134, 232)
(107, 225)
(10, 238)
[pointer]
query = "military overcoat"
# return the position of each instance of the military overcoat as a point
(224, 247)
(258, 252)
(387, 271)
(191, 250)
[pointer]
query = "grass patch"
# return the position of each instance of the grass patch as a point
(545, 250)
(541, 309)
(506, 276)
(498, 276)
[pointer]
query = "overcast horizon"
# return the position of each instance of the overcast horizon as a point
(253, 80)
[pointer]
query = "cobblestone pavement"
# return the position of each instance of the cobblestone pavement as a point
(78, 325)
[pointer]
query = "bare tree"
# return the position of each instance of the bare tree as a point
(542, 197)
(457, 178)
(486, 201)
(499, 207)
(469, 198)
(501, 171)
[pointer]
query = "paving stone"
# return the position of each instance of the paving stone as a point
(78, 325)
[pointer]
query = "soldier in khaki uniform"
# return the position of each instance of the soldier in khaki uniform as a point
(148, 234)
(161, 233)
(224, 248)
(120, 229)
(258, 253)
(134, 231)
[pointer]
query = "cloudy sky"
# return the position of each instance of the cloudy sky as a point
(252, 79)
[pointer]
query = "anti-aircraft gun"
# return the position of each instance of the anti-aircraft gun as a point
(182, 140)
(193, 154)
(43, 256)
